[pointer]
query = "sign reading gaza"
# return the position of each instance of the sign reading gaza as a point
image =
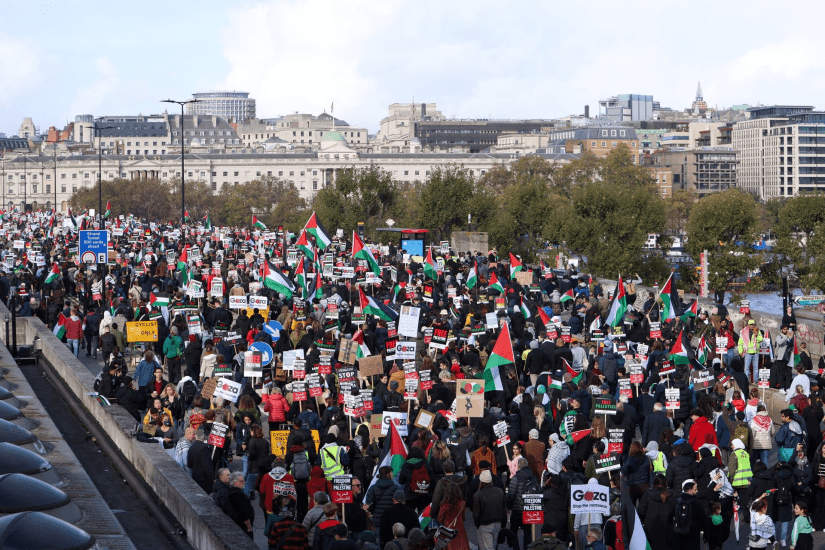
(589, 499)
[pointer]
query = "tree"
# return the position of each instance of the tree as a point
(612, 214)
(726, 225)
(678, 210)
(800, 238)
(150, 199)
(366, 195)
(274, 201)
(445, 200)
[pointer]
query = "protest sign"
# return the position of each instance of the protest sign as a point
(532, 509)
(342, 489)
(217, 437)
(424, 419)
(408, 321)
(589, 499)
(227, 389)
(372, 365)
(672, 399)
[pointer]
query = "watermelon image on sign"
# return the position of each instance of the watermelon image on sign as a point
(471, 387)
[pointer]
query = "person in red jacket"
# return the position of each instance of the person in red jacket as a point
(276, 405)
(701, 431)
(74, 332)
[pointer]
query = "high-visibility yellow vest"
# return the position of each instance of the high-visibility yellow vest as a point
(659, 464)
(330, 462)
(743, 469)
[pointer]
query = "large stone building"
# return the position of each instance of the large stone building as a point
(781, 152)
(31, 178)
(597, 140)
(300, 130)
(700, 171)
(234, 106)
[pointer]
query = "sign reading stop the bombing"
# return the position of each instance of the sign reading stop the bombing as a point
(533, 512)
(342, 489)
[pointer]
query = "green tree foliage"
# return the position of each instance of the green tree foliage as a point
(366, 195)
(678, 210)
(612, 214)
(151, 200)
(275, 202)
(716, 224)
(446, 199)
(800, 239)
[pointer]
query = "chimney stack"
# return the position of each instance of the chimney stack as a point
(587, 111)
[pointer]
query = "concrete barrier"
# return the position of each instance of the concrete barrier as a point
(207, 527)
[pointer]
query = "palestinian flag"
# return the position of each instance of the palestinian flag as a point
(524, 309)
(314, 228)
(362, 350)
(618, 306)
(671, 305)
(396, 289)
(303, 245)
(633, 532)
(567, 296)
(54, 276)
(424, 519)
(580, 434)
(183, 267)
(108, 210)
(314, 289)
(544, 317)
(257, 224)
(555, 383)
(690, 311)
(472, 277)
(273, 279)
(186, 217)
(502, 355)
(572, 372)
(158, 300)
(454, 312)
(361, 252)
(429, 265)
(370, 307)
(395, 454)
(797, 357)
(301, 278)
(515, 266)
(208, 222)
(596, 324)
(704, 351)
(494, 283)
(681, 353)
(60, 327)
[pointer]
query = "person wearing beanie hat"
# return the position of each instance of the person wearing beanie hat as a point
(489, 512)
(534, 434)
(399, 512)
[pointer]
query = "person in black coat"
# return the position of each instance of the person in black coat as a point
(192, 357)
(238, 507)
(129, 398)
(199, 460)
(656, 510)
(399, 512)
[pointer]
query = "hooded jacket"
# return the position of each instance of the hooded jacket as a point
(655, 514)
(379, 498)
(790, 434)
(277, 406)
(679, 470)
(702, 432)
(518, 487)
(405, 477)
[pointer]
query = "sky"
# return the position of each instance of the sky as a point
(474, 59)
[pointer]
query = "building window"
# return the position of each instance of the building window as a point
(236, 174)
(621, 133)
(406, 172)
(664, 178)
(604, 133)
(74, 176)
(48, 188)
(48, 176)
(189, 174)
(633, 144)
(34, 189)
(416, 172)
(291, 173)
(315, 185)
(154, 144)
(74, 188)
(214, 174)
(214, 186)
(225, 174)
(154, 151)
(303, 173)
(614, 144)
(592, 144)
(128, 151)
(62, 176)
(62, 188)
(164, 174)
(280, 173)
(604, 143)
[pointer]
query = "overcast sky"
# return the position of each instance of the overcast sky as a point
(474, 59)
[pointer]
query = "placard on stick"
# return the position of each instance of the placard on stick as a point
(346, 353)
(208, 389)
(425, 419)
(372, 365)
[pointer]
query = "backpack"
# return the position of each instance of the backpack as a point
(188, 392)
(107, 343)
(683, 519)
(782, 496)
(532, 487)
(196, 420)
(741, 432)
(420, 481)
(300, 466)
(98, 380)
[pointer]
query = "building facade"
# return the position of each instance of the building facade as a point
(782, 148)
(598, 140)
(232, 105)
(627, 107)
(700, 171)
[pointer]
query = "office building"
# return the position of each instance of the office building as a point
(234, 106)
(627, 107)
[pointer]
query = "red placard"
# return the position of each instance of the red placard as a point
(324, 369)
(316, 391)
(342, 489)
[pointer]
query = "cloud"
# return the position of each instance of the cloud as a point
(92, 97)
(20, 67)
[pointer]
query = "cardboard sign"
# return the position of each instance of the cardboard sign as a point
(237, 302)
(703, 380)
(299, 391)
(376, 426)
(501, 302)
(428, 293)
(745, 307)
(532, 510)
(253, 364)
(565, 334)
(347, 351)
(524, 278)
(764, 378)
(217, 437)
(672, 399)
(208, 389)
(342, 489)
(370, 366)
(410, 371)
(491, 321)
(589, 499)
(142, 331)
(605, 463)
(500, 429)
(625, 388)
(604, 405)
(655, 330)
(228, 390)
(411, 388)
(424, 419)
(470, 405)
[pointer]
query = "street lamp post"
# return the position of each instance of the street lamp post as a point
(182, 145)
(100, 170)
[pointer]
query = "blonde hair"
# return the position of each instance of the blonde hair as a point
(538, 412)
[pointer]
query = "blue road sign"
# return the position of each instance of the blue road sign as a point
(274, 328)
(266, 352)
(94, 246)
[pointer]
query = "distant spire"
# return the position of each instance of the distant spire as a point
(699, 92)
